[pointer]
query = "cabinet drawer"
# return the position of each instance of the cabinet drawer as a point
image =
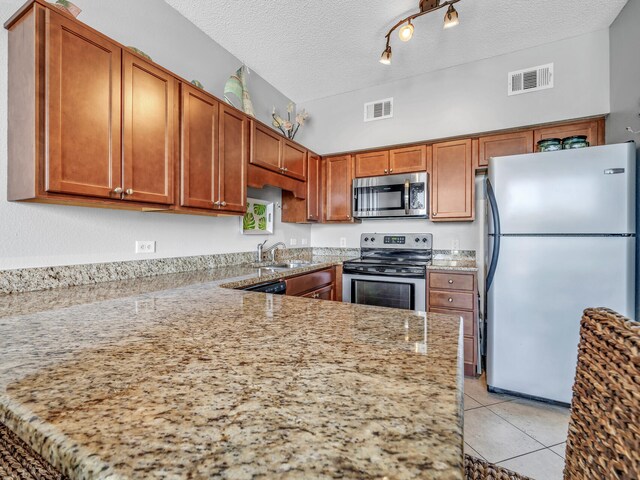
(451, 299)
(469, 321)
(297, 286)
(451, 281)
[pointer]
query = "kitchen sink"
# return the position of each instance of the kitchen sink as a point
(279, 267)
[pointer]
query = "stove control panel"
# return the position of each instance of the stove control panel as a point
(405, 241)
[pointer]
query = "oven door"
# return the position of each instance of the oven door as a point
(385, 291)
(390, 196)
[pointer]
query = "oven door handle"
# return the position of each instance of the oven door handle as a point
(406, 196)
(375, 273)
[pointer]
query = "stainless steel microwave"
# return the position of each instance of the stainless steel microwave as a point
(391, 196)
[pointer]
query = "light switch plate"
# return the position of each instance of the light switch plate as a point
(293, 242)
(343, 241)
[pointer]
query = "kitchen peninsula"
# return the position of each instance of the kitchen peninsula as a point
(177, 377)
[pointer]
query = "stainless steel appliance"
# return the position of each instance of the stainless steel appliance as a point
(391, 271)
(403, 195)
(277, 287)
(562, 237)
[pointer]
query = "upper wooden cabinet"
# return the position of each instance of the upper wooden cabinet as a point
(82, 71)
(234, 153)
(200, 149)
(500, 145)
(372, 164)
(305, 210)
(408, 159)
(150, 126)
(593, 129)
(390, 162)
(452, 181)
(272, 151)
(214, 154)
(338, 181)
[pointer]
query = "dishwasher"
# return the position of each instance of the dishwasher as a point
(277, 287)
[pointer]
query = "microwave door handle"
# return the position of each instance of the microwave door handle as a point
(406, 196)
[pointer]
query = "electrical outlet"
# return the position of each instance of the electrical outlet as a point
(146, 246)
(343, 241)
(293, 242)
(303, 241)
(455, 244)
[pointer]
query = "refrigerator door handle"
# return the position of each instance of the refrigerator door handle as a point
(496, 235)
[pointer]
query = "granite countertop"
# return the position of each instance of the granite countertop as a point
(176, 377)
(462, 265)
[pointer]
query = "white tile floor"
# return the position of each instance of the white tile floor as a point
(522, 435)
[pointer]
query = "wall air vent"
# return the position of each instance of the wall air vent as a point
(531, 79)
(378, 110)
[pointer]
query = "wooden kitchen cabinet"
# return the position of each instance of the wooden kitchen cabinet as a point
(455, 293)
(372, 164)
(514, 143)
(593, 129)
(390, 162)
(214, 154)
(234, 153)
(149, 131)
(305, 210)
(83, 74)
(272, 151)
(408, 159)
(452, 180)
(337, 189)
(319, 284)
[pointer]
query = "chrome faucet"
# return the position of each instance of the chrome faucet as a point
(272, 249)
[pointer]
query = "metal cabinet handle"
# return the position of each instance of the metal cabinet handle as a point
(117, 190)
(217, 204)
(385, 171)
(286, 169)
(450, 282)
(391, 170)
(129, 191)
(450, 299)
(223, 204)
(316, 295)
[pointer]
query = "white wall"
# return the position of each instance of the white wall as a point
(43, 235)
(467, 99)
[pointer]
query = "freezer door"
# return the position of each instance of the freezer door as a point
(534, 306)
(589, 190)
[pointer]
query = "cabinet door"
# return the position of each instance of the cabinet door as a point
(372, 164)
(294, 160)
(325, 293)
(234, 153)
(83, 111)
(199, 156)
(408, 160)
(593, 129)
(266, 147)
(313, 187)
(506, 144)
(149, 131)
(338, 188)
(452, 181)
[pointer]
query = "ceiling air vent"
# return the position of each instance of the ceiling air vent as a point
(378, 110)
(531, 79)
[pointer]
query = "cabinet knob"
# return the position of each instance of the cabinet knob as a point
(117, 190)
(348, 216)
(434, 214)
(385, 171)
(223, 204)
(217, 204)
(391, 170)
(316, 295)
(450, 282)
(450, 299)
(129, 191)
(286, 169)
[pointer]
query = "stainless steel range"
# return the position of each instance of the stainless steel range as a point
(391, 271)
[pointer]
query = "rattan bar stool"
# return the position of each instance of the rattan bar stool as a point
(604, 428)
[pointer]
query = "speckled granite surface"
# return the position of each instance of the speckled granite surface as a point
(176, 377)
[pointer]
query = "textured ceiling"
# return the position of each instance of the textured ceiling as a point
(312, 49)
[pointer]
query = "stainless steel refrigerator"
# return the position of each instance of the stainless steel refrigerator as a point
(562, 238)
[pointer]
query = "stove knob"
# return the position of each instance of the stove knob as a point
(417, 239)
(424, 239)
(373, 239)
(366, 239)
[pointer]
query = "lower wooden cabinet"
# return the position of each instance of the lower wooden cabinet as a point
(455, 293)
(338, 180)
(319, 284)
(452, 180)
